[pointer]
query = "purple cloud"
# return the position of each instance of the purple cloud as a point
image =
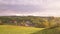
(33, 7)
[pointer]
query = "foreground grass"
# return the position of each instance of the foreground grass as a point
(8, 29)
(49, 31)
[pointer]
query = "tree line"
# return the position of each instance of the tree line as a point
(31, 21)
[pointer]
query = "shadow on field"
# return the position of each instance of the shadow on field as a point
(48, 31)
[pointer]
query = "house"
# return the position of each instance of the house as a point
(29, 23)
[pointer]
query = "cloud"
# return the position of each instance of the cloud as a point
(20, 6)
(25, 2)
(30, 7)
(52, 8)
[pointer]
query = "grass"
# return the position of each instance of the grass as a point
(49, 31)
(9, 29)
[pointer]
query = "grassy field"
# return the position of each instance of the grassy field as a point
(9, 29)
(49, 31)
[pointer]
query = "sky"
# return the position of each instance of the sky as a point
(30, 7)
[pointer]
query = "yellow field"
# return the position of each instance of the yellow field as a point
(9, 29)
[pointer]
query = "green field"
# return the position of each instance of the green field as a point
(49, 31)
(9, 29)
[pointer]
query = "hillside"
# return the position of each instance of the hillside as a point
(49, 31)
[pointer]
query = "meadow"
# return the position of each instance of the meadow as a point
(10, 29)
